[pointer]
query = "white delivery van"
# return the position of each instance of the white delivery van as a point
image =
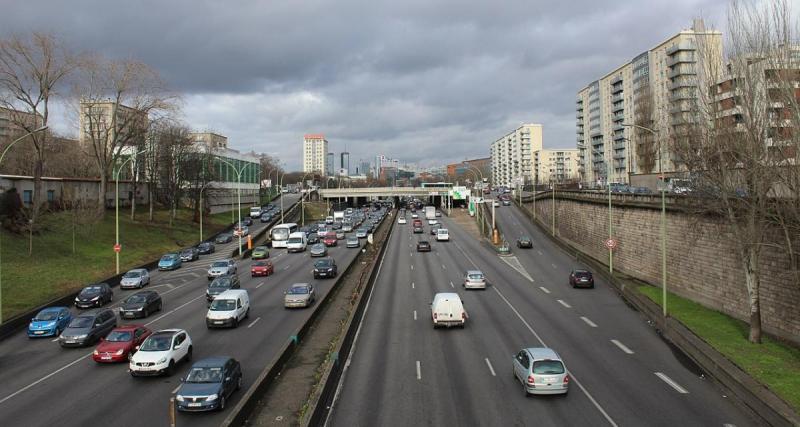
(228, 309)
(255, 212)
(442, 235)
(297, 242)
(448, 310)
(430, 212)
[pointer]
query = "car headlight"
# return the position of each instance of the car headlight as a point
(179, 398)
(118, 352)
(96, 298)
(140, 309)
(212, 397)
(80, 337)
(162, 360)
(77, 299)
(96, 353)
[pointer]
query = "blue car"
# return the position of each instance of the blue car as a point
(209, 384)
(169, 262)
(49, 322)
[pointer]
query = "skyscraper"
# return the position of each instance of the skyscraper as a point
(344, 160)
(329, 168)
(315, 151)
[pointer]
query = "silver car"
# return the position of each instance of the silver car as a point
(474, 279)
(222, 268)
(541, 371)
(136, 278)
(299, 295)
(319, 249)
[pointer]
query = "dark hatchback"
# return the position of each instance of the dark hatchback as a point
(525, 242)
(206, 248)
(581, 279)
(94, 296)
(140, 304)
(224, 238)
(209, 384)
(190, 254)
(87, 328)
(220, 285)
(325, 267)
(423, 246)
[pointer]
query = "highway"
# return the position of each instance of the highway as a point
(42, 384)
(403, 372)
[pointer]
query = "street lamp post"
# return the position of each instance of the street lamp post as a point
(2, 156)
(302, 198)
(238, 196)
(663, 219)
(116, 203)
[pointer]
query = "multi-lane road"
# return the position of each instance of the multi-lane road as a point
(403, 372)
(42, 384)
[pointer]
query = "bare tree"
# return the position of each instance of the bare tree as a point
(31, 71)
(198, 173)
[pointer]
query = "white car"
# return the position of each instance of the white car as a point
(243, 231)
(136, 278)
(433, 221)
(442, 235)
(160, 352)
(414, 216)
(401, 220)
(496, 204)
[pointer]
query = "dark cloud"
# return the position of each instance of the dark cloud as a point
(424, 81)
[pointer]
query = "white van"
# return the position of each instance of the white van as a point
(255, 212)
(448, 310)
(228, 309)
(442, 235)
(297, 242)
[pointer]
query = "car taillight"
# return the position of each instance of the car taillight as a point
(434, 316)
(566, 379)
(463, 315)
(531, 380)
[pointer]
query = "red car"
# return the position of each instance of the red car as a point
(261, 268)
(330, 239)
(120, 343)
(417, 223)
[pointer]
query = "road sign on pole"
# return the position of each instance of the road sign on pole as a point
(611, 243)
(117, 248)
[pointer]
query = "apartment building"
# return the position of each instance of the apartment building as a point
(512, 155)
(657, 90)
(556, 165)
(315, 153)
(111, 123)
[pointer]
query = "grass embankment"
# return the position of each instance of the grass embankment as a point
(315, 211)
(773, 363)
(54, 270)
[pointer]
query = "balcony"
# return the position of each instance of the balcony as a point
(680, 95)
(684, 45)
(616, 89)
(619, 164)
(683, 57)
(619, 144)
(618, 126)
(681, 71)
(619, 136)
(620, 106)
(619, 155)
(680, 83)
(615, 80)
(617, 97)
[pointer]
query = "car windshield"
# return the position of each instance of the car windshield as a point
(260, 249)
(167, 257)
(156, 343)
(81, 322)
(224, 236)
(219, 264)
(132, 275)
(548, 367)
(135, 299)
(223, 305)
(119, 336)
(204, 375)
(298, 290)
(582, 274)
(91, 290)
(476, 277)
(280, 234)
(187, 251)
(47, 315)
(295, 240)
(221, 282)
(322, 263)
(260, 264)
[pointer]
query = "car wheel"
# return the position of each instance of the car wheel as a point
(235, 322)
(189, 354)
(146, 312)
(171, 368)
(239, 383)
(525, 390)
(222, 403)
(247, 313)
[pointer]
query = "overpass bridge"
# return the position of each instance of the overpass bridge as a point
(383, 192)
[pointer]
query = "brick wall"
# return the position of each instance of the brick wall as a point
(701, 260)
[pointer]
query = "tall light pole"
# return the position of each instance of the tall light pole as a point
(302, 198)
(238, 196)
(2, 156)
(663, 218)
(116, 201)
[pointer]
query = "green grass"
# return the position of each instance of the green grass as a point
(315, 211)
(54, 270)
(773, 363)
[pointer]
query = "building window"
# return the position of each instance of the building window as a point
(51, 196)
(27, 197)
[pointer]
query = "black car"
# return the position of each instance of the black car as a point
(266, 217)
(581, 278)
(423, 246)
(246, 221)
(215, 376)
(94, 296)
(434, 229)
(220, 285)
(525, 242)
(206, 248)
(88, 328)
(224, 238)
(140, 304)
(312, 239)
(325, 267)
(337, 225)
(418, 229)
(190, 254)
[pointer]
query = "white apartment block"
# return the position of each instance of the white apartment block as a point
(656, 89)
(512, 155)
(557, 165)
(315, 153)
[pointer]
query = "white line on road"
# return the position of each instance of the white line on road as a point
(46, 377)
(176, 389)
(672, 383)
(588, 322)
(452, 285)
(563, 303)
(545, 290)
(173, 310)
(411, 254)
(443, 267)
(489, 364)
(419, 371)
(253, 322)
(554, 266)
(412, 285)
(415, 314)
(287, 267)
(260, 285)
(540, 252)
(622, 347)
(412, 267)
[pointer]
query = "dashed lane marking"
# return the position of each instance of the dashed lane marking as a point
(564, 303)
(622, 347)
(671, 383)
(545, 290)
(589, 322)
(253, 322)
(419, 371)
(491, 369)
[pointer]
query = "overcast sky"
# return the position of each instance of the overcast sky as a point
(420, 80)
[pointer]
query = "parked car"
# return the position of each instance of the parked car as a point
(94, 296)
(261, 268)
(220, 285)
(260, 252)
(228, 309)
(222, 268)
(541, 371)
(448, 310)
(352, 242)
(120, 344)
(299, 295)
(325, 267)
(85, 329)
(224, 238)
(49, 322)
(169, 262)
(474, 279)
(190, 254)
(209, 384)
(140, 304)
(160, 352)
(136, 278)
(205, 248)
(319, 250)
(581, 278)
(329, 239)
(423, 246)
(525, 242)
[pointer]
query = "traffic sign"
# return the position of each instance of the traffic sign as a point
(117, 248)
(611, 243)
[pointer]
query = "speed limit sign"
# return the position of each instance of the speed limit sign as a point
(611, 243)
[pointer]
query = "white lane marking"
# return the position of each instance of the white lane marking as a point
(176, 389)
(437, 253)
(253, 322)
(411, 253)
(412, 285)
(44, 378)
(545, 290)
(452, 285)
(729, 425)
(287, 267)
(588, 322)
(491, 369)
(622, 347)
(671, 383)
(260, 285)
(415, 314)
(419, 371)
(563, 303)
(554, 266)
(513, 261)
(540, 252)
(54, 339)
(174, 310)
(574, 378)
(412, 267)
(443, 267)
